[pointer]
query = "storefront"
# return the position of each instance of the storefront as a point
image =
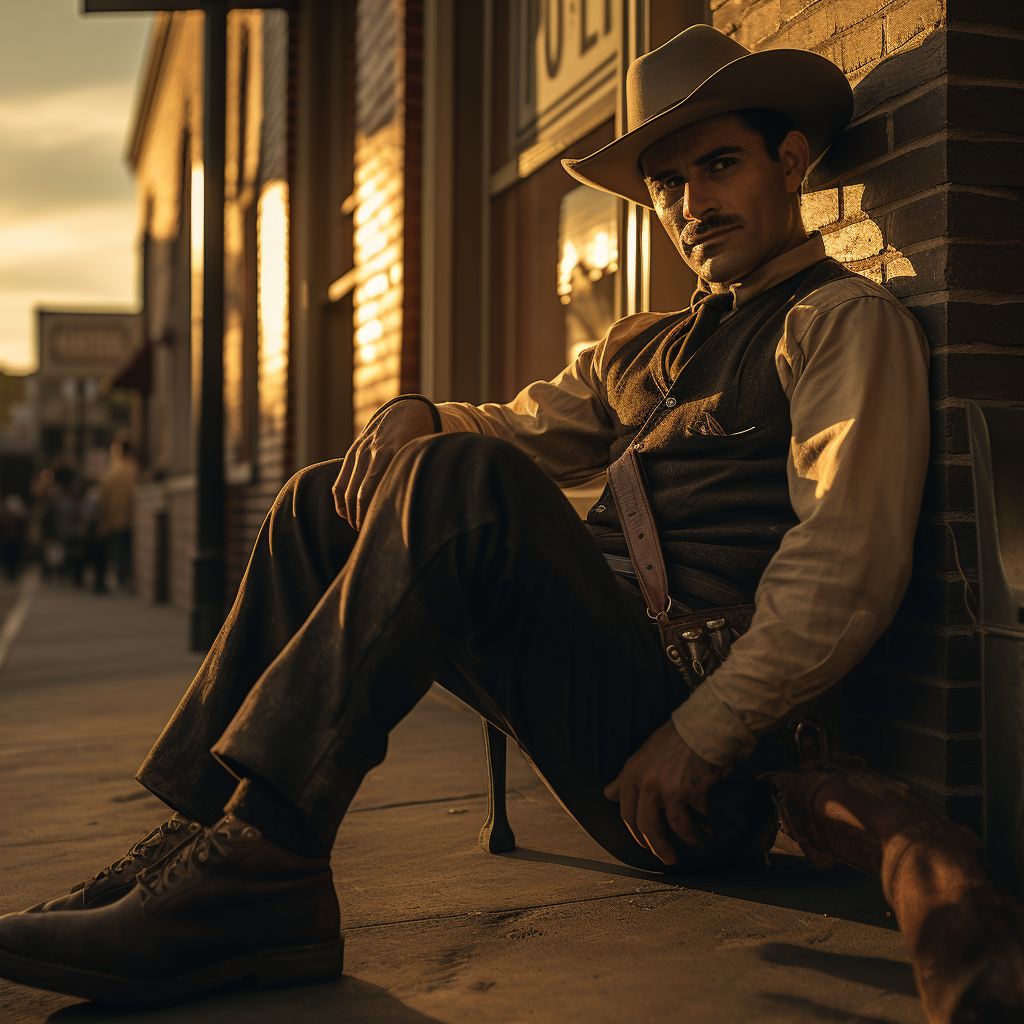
(522, 266)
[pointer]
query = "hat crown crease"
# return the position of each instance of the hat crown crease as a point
(664, 77)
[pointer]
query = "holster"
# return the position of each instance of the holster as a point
(697, 642)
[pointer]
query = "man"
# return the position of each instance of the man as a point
(114, 524)
(783, 431)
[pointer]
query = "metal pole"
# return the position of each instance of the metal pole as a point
(208, 568)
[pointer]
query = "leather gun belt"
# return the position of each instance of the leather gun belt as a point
(682, 581)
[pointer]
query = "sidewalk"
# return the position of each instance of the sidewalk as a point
(437, 930)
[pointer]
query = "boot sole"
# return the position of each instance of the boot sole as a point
(297, 965)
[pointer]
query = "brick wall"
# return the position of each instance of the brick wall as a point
(923, 193)
(379, 205)
(247, 503)
(149, 501)
(181, 515)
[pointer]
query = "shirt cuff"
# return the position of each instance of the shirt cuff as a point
(711, 729)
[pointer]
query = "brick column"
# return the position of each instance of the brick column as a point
(923, 193)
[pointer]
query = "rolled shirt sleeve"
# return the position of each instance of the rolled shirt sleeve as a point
(565, 425)
(855, 369)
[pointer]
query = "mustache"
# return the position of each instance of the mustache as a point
(692, 233)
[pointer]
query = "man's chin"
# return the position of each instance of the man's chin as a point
(720, 263)
(721, 270)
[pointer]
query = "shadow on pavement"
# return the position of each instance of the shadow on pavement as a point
(787, 882)
(821, 1012)
(792, 883)
(348, 999)
(891, 975)
(586, 864)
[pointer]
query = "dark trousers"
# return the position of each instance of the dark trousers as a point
(471, 569)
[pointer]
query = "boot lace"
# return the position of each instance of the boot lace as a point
(142, 848)
(178, 868)
(181, 866)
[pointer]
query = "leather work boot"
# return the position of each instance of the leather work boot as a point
(963, 929)
(117, 879)
(228, 906)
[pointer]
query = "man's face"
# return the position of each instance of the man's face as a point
(726, 204)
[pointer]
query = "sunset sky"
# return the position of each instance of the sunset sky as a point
(67, 201)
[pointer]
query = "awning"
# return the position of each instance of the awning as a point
(138, 374)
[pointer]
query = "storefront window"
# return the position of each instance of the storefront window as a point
(588, 248)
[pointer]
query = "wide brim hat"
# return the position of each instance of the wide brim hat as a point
(700, 73)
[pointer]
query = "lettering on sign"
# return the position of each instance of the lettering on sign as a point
(90, 346)
(85, 344)
(568, 65)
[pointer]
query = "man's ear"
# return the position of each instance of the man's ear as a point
(794, 155)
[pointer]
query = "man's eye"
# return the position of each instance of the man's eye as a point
(721, 164)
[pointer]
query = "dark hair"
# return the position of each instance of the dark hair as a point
(772, 125)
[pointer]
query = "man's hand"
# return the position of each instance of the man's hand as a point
(371, 454)
(664, 775)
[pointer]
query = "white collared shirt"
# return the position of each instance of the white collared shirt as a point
(853, 363)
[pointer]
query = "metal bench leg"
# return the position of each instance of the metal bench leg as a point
(496, 836)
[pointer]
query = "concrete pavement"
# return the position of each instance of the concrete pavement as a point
(437, 930)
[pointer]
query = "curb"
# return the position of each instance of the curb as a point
(16, 618)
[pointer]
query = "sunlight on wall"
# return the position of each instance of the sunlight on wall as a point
(272, 270)
(197, 216)
(378, 220)
(196, 237)
(852, 237)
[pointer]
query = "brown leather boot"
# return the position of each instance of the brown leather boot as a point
(227, 906)
(964, 931)
(118, 879)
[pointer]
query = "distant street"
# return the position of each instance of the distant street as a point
(437, 930)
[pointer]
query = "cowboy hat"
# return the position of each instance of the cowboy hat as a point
(702, 72)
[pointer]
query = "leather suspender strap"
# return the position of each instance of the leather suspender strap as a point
(626, 481)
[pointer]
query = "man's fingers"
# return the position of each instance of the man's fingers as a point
(699, 802)
(360, 465)
(627, 807)
(367, 489)
(650, 825)
(341, 483)
(611, 791)
(680, 821)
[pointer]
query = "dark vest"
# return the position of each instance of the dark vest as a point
(715, 441)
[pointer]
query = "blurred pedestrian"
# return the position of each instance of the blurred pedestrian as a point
(114, 523)
(89, 546)
(60, 519)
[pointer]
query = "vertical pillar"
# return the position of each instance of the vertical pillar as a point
(208, 567)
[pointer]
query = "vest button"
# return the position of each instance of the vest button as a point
(670, 403)
(599, 508)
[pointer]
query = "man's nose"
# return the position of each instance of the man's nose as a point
(697, 203)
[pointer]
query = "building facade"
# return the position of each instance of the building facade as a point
(396, 219)
(923, 193)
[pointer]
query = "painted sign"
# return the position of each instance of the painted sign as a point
(568, 69)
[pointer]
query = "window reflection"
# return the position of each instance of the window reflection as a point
(588, 249)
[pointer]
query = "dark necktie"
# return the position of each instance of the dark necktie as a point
(704, 325)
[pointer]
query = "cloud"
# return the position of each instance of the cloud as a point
(66, 117)
(68, 216)
(76, 255)
(76, 233)
(32, 179)
(49, 44)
